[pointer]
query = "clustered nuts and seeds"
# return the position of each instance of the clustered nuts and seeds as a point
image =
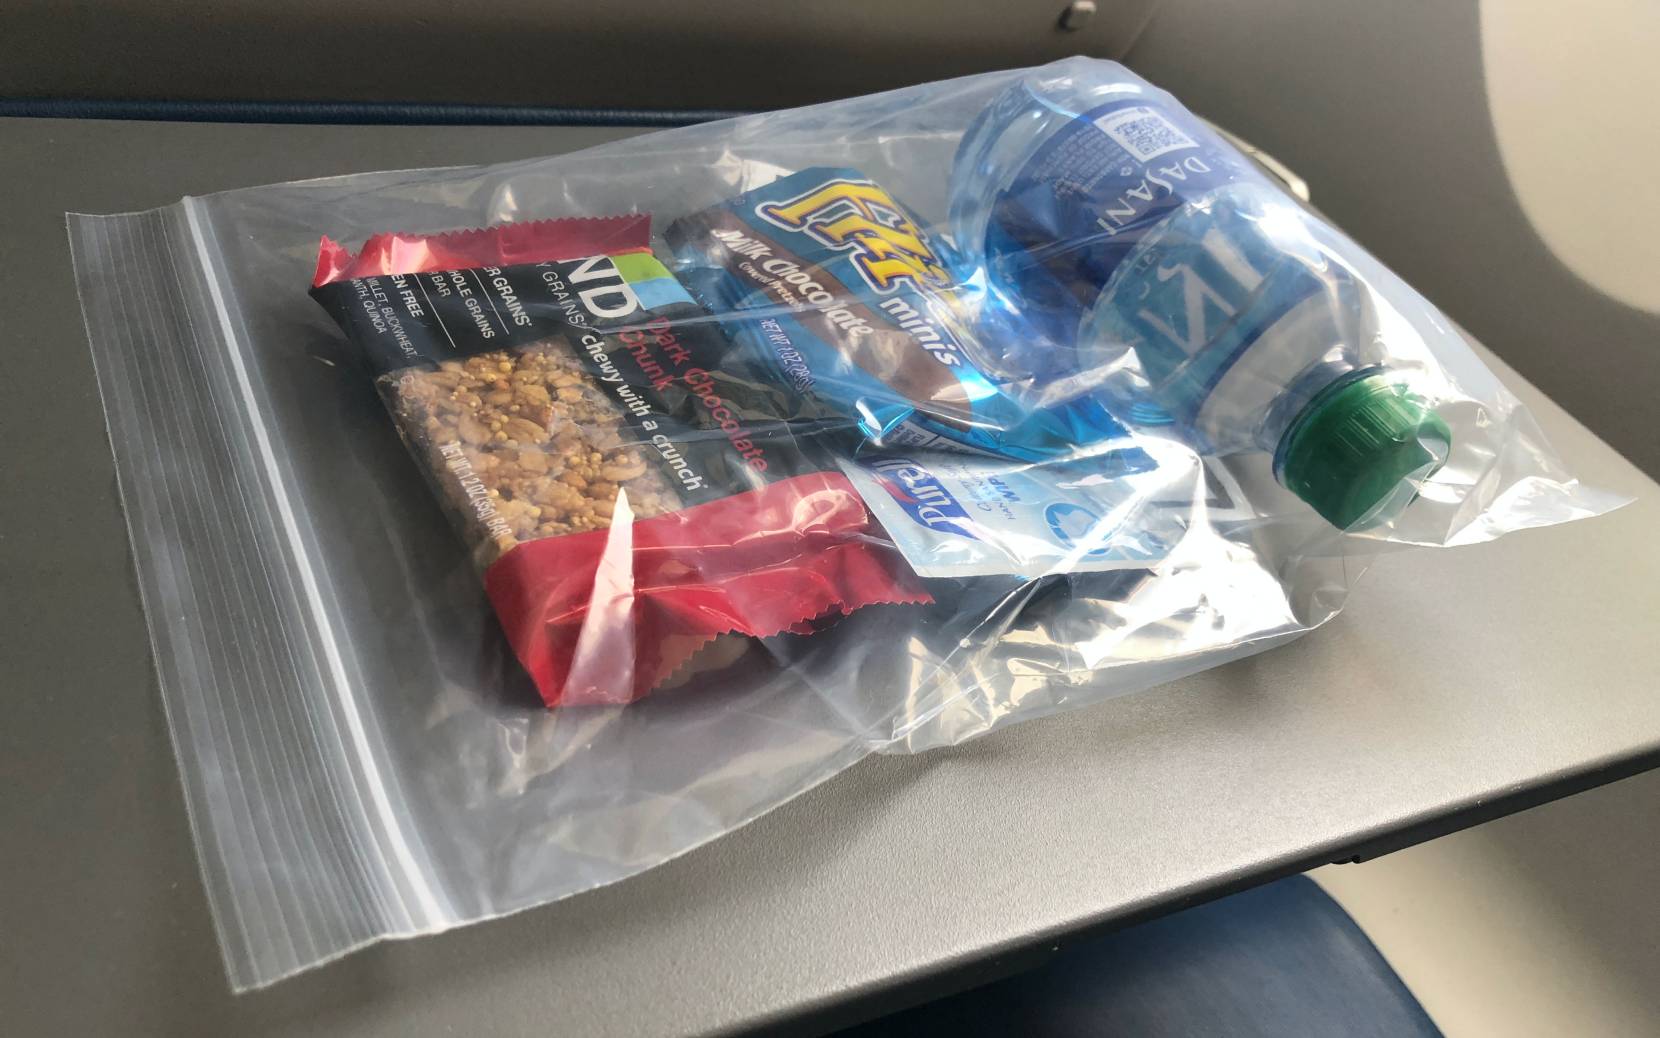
(524, 445)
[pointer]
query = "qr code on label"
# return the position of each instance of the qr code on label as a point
(1144, 133)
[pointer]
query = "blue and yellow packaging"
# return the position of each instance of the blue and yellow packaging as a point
(836, 288)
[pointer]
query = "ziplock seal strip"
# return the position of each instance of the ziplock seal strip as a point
(277, 759)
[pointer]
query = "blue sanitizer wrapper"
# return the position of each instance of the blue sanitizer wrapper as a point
(956, 515)
(828, 280)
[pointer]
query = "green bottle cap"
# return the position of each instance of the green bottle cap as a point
(1348, 451)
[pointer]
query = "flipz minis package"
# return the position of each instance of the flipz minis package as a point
(834, 282)
(629, 498)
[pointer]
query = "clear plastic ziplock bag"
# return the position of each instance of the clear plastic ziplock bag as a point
(770, 443)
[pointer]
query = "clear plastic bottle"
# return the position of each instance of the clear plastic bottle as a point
(1134, 257)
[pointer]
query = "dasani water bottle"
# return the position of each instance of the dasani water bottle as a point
(1134, 257)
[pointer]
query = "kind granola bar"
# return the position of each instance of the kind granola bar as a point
(529, 446)
(631, 496)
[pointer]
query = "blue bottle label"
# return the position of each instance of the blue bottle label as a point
(1089, 193)
(1208, 289)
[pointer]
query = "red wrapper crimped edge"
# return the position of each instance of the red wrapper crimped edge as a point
(499, 246)
(602, 617)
